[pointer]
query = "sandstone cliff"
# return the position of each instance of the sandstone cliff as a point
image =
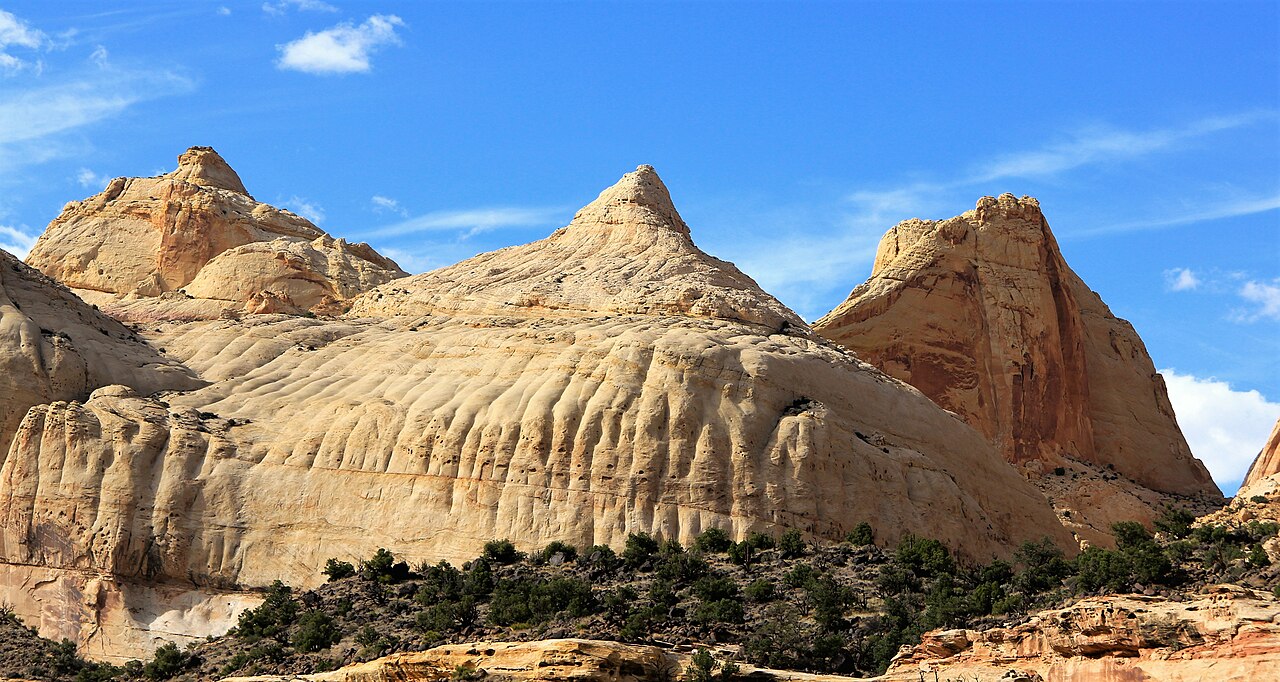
(632, 383)
(192, 244)
(1267, 462)
(982, 314)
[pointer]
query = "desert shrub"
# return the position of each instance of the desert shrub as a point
(861, 535)
(337, 570)
(440, 583)
(1175, 522)
(502, 552)
(1042, 566)
(272, 618)
(479, 579)
(761, 591)
(712, 541)
(791, 544)
(924, 556)
(533, 600)
(639, 549)
(703, 667)
(564, 549)
(169, 661)
(603, 560)
(316, 631)
(382, 567)
(680, 566)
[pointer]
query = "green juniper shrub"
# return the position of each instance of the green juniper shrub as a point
(566, 551)
(1175, 522)
(535, 600)
(799, 575)
(761, 541)
(1258, 556)
(780, 640)
(639, 549)
(502, 552)
(440, 583)
(703, 667)
(663, 595)
(316, 631)
(861, 535)
(1258, 499)
(791, 544)
(337, 570)
(679, 566)
(712, 541)
(1042, 566)
(827, 600)
(761, 591)
(382, 567)
(619, 603)
(168, 662)
(603, 560)
(925, 557)
(478, 581)
(272, 618)
(719, 600)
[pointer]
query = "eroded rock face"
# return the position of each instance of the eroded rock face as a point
(983, 315)
(1267, 463)
(430, 422)
(55, 347)
(1229, 633)
(146, 246)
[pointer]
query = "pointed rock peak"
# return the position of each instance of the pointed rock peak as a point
(638, 199)
(204, 166)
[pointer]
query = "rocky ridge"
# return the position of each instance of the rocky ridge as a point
(193, 244)
(1267, 463)
(983, 315)
(632, 384)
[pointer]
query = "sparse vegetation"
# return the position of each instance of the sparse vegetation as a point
(843, 608)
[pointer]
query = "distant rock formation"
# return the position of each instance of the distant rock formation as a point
(1267, 462)
(982, 314)
(192, 244)
(609, 379)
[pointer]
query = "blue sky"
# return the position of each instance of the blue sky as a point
(791, 135)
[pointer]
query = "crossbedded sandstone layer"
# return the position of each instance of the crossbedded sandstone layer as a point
(632, 384)
(193, 244)
(982, 314)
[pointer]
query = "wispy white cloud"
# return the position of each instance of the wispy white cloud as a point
(224, 11)
(1264, 298)
(383, 204)
(412, 262)
(1233, 207)
(35, 122)
(16, 240)
(99, 56)
(345, 48)
(305, 207)
(1180, 279)
(1225, 427)
(90, 179)
(283, 6)
(1102, 144)
(471, 222)
(15, 32)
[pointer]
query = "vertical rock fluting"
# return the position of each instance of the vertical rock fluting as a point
(983, 315)
(609, 379)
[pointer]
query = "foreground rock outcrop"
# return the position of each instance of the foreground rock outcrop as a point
(193, 244)
(982, 314)
(1229, 633)
(633, 383)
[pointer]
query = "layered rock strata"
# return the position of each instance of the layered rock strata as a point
(1229, 633)
(193, 244)
(982, 314)
(633, 384)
